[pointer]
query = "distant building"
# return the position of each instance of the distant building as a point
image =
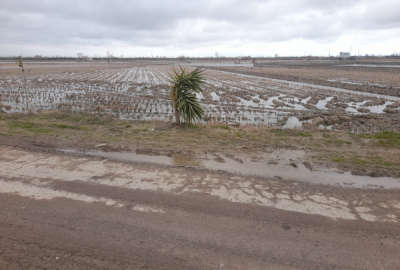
(345, 54)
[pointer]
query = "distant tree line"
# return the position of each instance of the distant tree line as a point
(184, 58)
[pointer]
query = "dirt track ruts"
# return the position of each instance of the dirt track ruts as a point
(69, 212)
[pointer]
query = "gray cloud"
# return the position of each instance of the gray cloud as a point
(61, 24)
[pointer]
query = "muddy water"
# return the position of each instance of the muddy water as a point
(142, 94)
(318, 87)
(280, 164)
(293, 123)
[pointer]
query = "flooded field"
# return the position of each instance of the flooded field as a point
(141, 92)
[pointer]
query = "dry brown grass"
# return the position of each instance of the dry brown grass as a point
(86, 131)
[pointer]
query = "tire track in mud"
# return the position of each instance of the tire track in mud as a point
(35, 174)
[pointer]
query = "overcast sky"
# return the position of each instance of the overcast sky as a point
(199, 27)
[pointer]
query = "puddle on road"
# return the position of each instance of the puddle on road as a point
(35, 175)
(279, 164)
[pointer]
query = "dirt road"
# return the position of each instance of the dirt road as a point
(74, 212)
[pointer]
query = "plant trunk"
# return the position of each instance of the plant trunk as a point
(177, 117)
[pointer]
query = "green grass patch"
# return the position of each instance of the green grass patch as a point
(81, 118)
(337, 142)
(40, 126)
(29, 126)
(65, 126)
(350, 160)
(2, 114)
(339, 159)
(364, 161)
(221, 126)
(333, 140)
(388, 138)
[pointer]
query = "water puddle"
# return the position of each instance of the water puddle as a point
(35, 175)
(279, 164)
(353, 107)
(292, 123)
(214, 96)
(321, 105)
(379, 109)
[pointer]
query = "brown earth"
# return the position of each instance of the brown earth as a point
(73, 212)
(46, 67)
(363, 154)
(388, 79)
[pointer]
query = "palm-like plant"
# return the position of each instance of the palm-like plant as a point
(184, 87)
